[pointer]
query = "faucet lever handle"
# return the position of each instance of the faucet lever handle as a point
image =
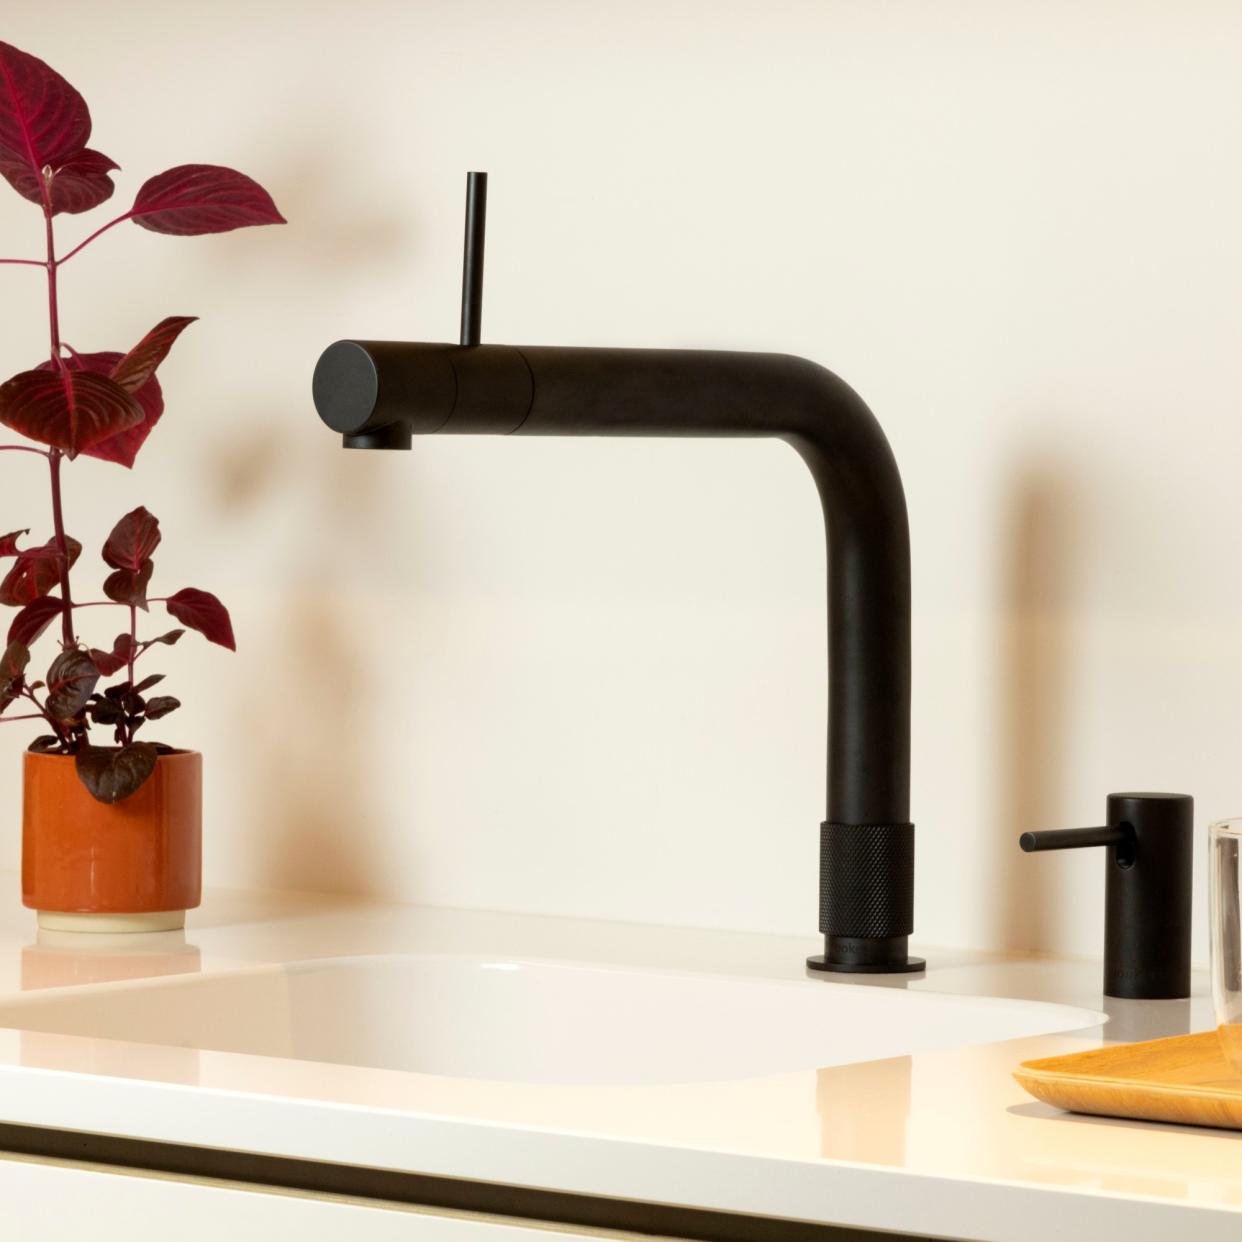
(472, 258)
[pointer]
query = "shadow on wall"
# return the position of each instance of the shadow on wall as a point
(338, 235)
(244, 475)
(314, 821)
(355, 223)
(1038, 547)
(311, 815)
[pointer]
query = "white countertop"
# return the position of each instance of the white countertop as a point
(941, 1143)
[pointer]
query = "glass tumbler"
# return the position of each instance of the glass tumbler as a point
(1225, 896)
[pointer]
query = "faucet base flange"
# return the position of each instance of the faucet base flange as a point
(865, 955)
(821, 965)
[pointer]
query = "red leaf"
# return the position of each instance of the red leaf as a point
(82, 182)
(113, 775)
(138, 366)
(35, 572)
(109, 662)
(12, 669)
(67, 408)
(202, 611)
(44, 122)
(35, 618)
(132, 541)
(129, 586)
(14, 660)
(8, 543)
(78, 184)
(161, 705)
(123, 447)
(202, 198)
(128, 550)
(70, 682)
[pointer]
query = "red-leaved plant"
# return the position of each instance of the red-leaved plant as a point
(105, 405)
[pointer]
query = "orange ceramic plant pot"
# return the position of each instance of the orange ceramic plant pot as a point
(133, 866)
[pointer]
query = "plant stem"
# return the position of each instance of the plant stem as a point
(96, 233)
(25, 262)
(53, 312)
(62, 546)
(28, 716)
(21, 448)
(54, 455)
(43, 715)
(133, 640)
(113, 603)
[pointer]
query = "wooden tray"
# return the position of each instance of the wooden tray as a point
(1185, 1080)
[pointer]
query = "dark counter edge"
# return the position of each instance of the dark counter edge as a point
(386, 1186)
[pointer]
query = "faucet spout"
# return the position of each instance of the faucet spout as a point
(378, 394)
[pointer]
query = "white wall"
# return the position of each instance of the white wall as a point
(587, 677)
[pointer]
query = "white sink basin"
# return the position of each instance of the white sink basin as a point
(534, 1022)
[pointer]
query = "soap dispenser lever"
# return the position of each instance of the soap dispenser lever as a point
(1148, 882)
(1076, 838)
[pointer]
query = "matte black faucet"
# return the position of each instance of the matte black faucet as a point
(379, 394)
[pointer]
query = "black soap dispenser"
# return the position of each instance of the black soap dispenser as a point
(1148, 885)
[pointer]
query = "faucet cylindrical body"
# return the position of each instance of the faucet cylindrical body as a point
(378, 394)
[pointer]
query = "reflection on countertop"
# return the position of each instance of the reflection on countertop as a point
(807, 1144)
(72, 959)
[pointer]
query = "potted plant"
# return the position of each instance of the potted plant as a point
(111, 816)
